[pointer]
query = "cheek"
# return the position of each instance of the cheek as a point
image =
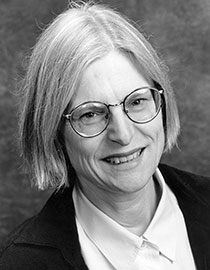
(159, 138)
(73, 145)
(155, 132)
(81, 151)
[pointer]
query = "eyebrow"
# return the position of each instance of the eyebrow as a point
(70, 107)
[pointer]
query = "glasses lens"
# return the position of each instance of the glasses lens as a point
(143, 105)
(89, 119)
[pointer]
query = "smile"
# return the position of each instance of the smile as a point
(123, 159)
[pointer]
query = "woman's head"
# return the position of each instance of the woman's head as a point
(118, 136)
(75, 39)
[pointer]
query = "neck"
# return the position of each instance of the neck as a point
(134, 211)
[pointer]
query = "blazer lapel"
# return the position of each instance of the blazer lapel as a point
(197, 222)
(193, 196)
(200, 243)
(55, 226)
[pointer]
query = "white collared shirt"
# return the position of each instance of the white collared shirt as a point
(106, 245)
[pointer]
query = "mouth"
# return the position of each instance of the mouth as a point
(121, 159)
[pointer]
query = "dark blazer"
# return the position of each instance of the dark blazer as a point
(49, 240)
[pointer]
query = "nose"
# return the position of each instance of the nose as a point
(120, 128)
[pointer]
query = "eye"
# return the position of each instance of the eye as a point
(138, 101)
(88, 115)
(92, 116)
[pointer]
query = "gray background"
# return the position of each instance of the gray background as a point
(179, 30)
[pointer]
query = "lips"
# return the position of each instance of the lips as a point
(120, 159)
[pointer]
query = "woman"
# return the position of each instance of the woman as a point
(98, 113)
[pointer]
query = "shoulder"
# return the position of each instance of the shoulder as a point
(17, 256)
(187, 184)
(185, 176)
(41, 241)
(22, 257)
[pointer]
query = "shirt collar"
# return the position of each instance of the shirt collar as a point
(124, 246)
(100, 228)
(164, 228)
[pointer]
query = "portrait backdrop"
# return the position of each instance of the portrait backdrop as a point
(180, 32)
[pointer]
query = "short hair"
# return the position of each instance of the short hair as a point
(78, 36)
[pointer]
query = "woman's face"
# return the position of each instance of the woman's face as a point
(123, 158)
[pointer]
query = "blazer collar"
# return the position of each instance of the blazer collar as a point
(55, 226)
(193, 195)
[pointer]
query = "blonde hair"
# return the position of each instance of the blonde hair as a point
(77, 37)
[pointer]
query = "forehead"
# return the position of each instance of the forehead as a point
(109, 79)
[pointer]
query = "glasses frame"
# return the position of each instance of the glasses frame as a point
(69, 115)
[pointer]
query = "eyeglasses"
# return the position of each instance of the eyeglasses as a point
(91, 118)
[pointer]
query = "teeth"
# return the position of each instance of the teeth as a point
(120, 160)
